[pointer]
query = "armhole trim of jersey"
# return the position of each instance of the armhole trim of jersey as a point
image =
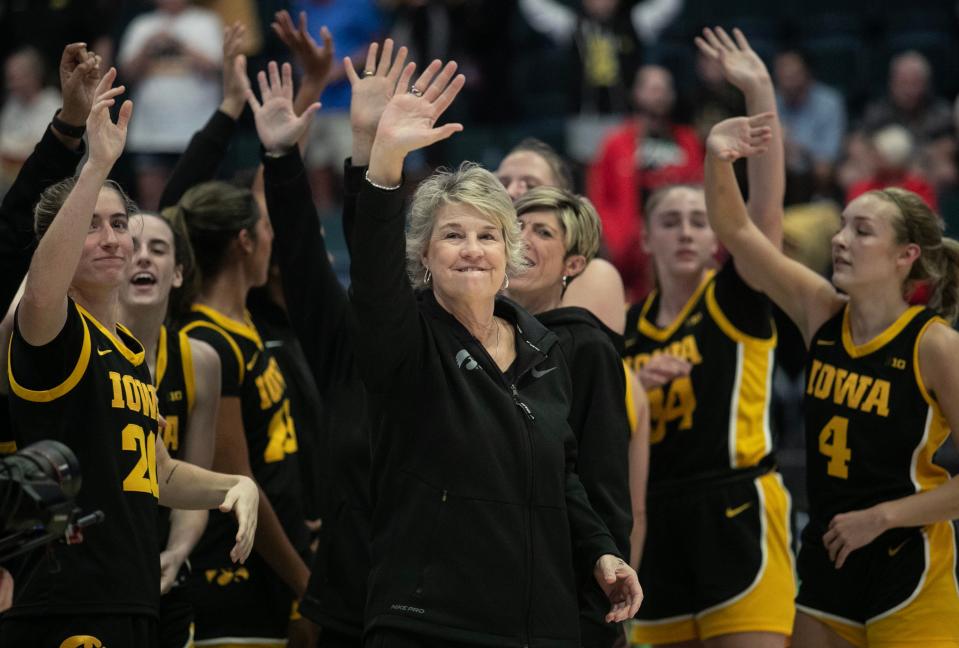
(241, 366)
(915, 363)
(48, 395)
(630, 403)
(189, 377)
(161, 356)
(727, 327)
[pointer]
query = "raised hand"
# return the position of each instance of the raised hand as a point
(316, 60)
(741, 65)
(277, 124)
(234, 86)
(106, 139)
(408, 122)
(739, 137)
(79, 75)
(621, 586)
(371, 93)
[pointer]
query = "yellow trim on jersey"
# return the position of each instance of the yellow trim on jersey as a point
(915, 360)
(189, 377)
(927, 474)
(243, 329)
(135, 357)
(650, 330)
(630, 401)
(727, 327)
(240, 363)
(880, 340)
(749, 411)
(8, 447)
(161, 356)
(48, 395)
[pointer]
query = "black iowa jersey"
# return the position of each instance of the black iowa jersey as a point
(714, 421)
(175, 393)
(90, 389)
(250, 372)
(871, 425)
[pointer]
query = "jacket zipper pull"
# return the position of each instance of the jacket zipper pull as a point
(520, 404)
(443, 499)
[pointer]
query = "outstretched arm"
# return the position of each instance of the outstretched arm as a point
(382, 299)
(807, 298)
(55, 157)
(185, 486)
(766, 171)
(43, 309)
(186, 527)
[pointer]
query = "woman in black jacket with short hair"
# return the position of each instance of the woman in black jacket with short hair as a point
(480, 522)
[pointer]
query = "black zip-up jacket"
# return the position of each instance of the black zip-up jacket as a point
(320, 313)
(601, 426)
(479, 521)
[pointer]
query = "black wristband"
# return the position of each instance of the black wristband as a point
(67, 129)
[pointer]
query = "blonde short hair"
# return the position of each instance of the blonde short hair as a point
(582, 228)
(470, 185)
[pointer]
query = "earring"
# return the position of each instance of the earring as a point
(565, 280)
(506, 282)
(427, 277)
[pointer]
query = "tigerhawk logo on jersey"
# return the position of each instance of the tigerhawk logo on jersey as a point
(81, 641)
(844, 387)
(133, 394)
(685, 349)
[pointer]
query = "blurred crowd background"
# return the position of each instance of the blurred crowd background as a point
(867, 96)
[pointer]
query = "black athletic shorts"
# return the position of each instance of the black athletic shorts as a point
(717, 561)
(900, 589)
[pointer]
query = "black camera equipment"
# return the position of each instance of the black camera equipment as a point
(37, 489)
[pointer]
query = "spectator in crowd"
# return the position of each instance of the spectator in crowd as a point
(607, 49)
(813, 118)
(648, 151)
(46, 26)
(26, 112)
(893, 149)
(911, 101)
(172, 56)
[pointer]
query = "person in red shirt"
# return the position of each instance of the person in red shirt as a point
(647, 152)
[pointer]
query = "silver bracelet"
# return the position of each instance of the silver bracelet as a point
(379, 186)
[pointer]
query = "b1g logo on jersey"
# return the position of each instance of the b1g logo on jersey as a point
(81, 641)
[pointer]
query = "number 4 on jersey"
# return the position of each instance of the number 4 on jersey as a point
(833, 444)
